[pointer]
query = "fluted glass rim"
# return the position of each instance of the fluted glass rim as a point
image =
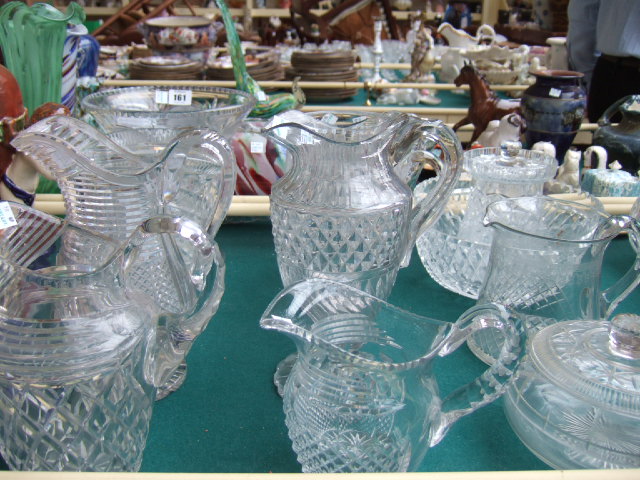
(91, 101)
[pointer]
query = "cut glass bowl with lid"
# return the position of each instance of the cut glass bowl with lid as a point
(455, 250)
(575, 402)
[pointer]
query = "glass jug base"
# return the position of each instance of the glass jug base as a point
(174, 382)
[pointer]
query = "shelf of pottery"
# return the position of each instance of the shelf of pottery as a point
(280, 8)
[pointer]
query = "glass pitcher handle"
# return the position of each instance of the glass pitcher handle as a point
(200, 178)
(199, 290)
(494, 381)
(436, 135)
(617, 292)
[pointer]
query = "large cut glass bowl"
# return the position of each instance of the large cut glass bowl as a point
(175, 108)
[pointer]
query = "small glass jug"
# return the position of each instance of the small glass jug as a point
(362, 396)
(82, 348)
(344, 210)
(546, 262)
(455, 251)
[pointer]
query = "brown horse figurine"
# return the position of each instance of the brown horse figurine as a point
(485, 104)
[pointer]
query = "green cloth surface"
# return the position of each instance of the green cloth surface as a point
(449, 100)
(227, 416)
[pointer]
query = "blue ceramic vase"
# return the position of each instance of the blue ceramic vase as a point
(553, 108)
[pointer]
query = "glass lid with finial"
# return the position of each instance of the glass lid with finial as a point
(597, 362)
(576, 400)
(455, 251)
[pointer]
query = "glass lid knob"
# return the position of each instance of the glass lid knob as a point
(624, 336)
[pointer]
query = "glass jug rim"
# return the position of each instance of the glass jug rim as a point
(126, 179)
(488, 222)
(525, 166)
(62, 225)
(358, 119)
(57, 272)
(441, 329)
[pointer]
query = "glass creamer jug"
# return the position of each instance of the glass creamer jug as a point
(455, 251)
(546, 262)
(344, 210)
(362, 396)
(82, 349)
(110, 184)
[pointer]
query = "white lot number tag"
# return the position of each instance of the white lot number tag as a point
(173, 97)
(555, 92)
(258, 144)
(6, 216)
(330, 118)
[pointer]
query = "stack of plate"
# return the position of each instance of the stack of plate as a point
(322, 66)
(165, 68)
(263, 63)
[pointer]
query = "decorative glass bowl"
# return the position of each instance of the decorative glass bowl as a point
(176, 108)
(455, 250)
(456, 263)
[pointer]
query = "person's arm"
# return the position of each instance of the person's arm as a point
(581, 36)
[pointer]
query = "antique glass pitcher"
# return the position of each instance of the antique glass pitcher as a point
(112, 184)
(546, 262)
(82, 348)
(362, 396)
(344, 210)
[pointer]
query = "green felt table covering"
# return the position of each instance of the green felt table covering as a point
(227, 417)
(449, 100)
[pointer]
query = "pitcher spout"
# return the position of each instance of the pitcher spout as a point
(353, 327)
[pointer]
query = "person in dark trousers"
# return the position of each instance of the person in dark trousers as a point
(603, 42)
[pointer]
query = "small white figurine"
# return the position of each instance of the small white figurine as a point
(545, 147)
(569, 171)
(507, 129)
(567, 178)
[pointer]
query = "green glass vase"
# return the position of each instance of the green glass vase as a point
(32, 39)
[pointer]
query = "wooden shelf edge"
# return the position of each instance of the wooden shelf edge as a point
(259, 205)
